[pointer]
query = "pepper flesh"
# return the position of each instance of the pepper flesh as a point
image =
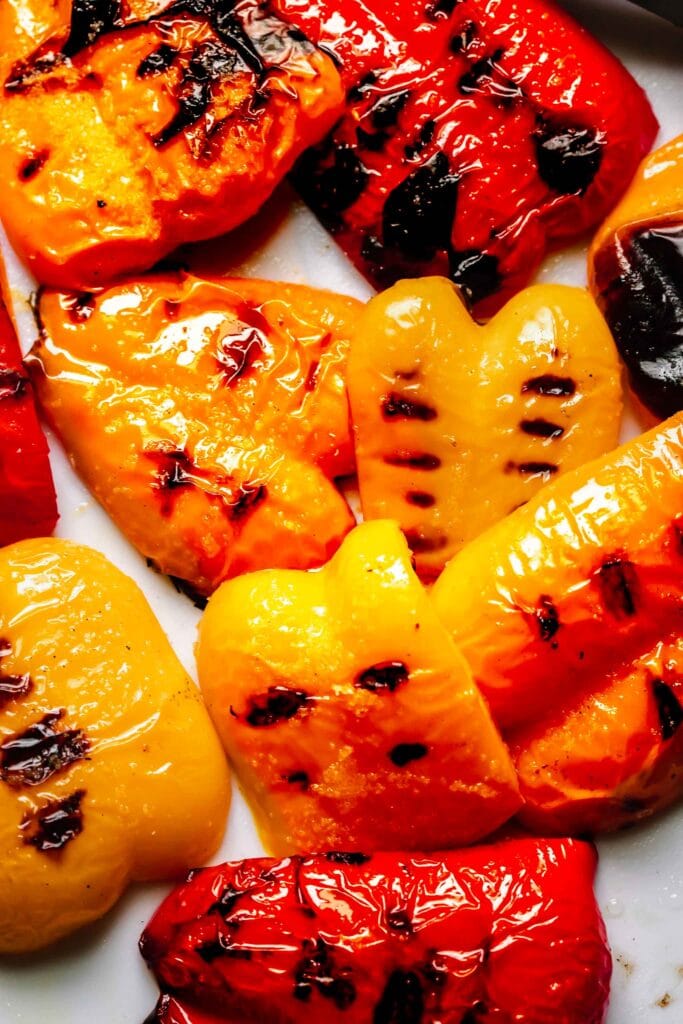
(28, 504)
(505, 933)
(636, 275)
(110, 770)
(209, 417)
(457, 424)
(569, 614)
(126, 132)
(476, 135)
(351, 718)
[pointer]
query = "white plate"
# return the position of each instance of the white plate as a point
(98, 975)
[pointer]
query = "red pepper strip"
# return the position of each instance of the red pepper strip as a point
(489, 935)
(28, 506)
(477, 135)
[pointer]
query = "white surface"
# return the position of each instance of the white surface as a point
(97, 977)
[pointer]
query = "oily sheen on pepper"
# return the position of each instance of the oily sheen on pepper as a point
(502, 934)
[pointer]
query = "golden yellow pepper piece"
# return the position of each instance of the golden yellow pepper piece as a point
(350, 715)
(110, 770)
(456, 424)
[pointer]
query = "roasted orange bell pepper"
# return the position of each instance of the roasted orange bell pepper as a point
(636, 273)
(109, 768)
(127, 131)
(208, 417)
(457, 424)
(569, 614)
(350, 716)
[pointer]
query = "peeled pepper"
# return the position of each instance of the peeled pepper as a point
(569, 614)
(209, 417)
(110, 771)
(457, 424)
(349, 715)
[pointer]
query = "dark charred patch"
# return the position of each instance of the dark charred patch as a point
(424, 137)
(633, 805)
(55, 824)
(400, 921)
(423, 499)
(13, 385)
(336, 186)
(245, 499)
(175, 471)
(91, 19)
(403, 753)
(319, 970)
(182, 586)
(385, 676)
(238, 352)
(14, 688)
(413, 460)
(401, 407)
(156, 62)
(38, 753)
(617, 579)
(463, 39)
(80, 307)
(300, 779)
(486, 76)
(385, 112)
(25, 73)
(668, 708)
(226, 902)
(549, 386)
(402, 1001)
(418, 214)
(476, 272)
(541, 428)
(33, 164)
(546, 618)
(101, 204)
(476, 1015)
(531, 468)
(568, 156)
(222, 947)
(422, 543)
(436, 971)
(441, 9)
(279, 704)
(340, 857)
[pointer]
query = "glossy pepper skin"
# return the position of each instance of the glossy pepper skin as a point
(569, 614)
(349, 715)
(504, 933)
(110, 771)
(209, 417)
(28, 504)
(126, 130)
(457, 424)
(636, 275)
(476, 135)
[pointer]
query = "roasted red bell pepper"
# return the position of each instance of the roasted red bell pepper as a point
(476, 135)
(28, 506)
(489, 935)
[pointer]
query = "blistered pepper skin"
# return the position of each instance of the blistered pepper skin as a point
(477, 135)
(568, 613)
(208, 417)
(126, 130)
(457, 424)
(351, 718)
(636, 274)
(504, 933)
(28, 504)
(110, 770)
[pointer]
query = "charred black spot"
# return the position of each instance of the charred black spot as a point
(418, 215)
(156, 62)
(401, 407)
(91, 19)
(486, 76)
(668, 708)
(477, 273)
(618, 581)
(33, 164)
(175, 471)
(80, 307)
(341, 857)
(435, 971)
(101, 204)
(386, 675)
(424, 137)
(476, 1015)
(541, 428)
(334, 188)
(298, 779)
(413, 460)
(33, 756)
(372, 249)
(531, 468)
(568, 156)
(423, 499)
(422, 542)
(246, 498)
(550, 386)
(462, 40)
(402, 1001)
(279, 705)
(318, 970)
(633, 805)
(222, 947)
(403, 753)
(238, 352)
(55, 824)
(226, 902)
(25, 73)
(14, 688)
(400, 921)
(384, 113)
(12, 385)
(547, 618)
(441, 8)
(182, 586)
(365, 85)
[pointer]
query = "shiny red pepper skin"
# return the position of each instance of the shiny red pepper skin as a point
(28, 506)
(502, 934)
(477, 135)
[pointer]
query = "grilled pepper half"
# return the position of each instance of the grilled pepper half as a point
(208, 417)
(28, 505)
(456, 424)
(109, 768)
(636, 272)
(569, 614)
(476, 135)
(500, 933)
(348, 713)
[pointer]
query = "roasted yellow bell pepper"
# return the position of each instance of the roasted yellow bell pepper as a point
(110, 770)
(457, 424)
(350, 716)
